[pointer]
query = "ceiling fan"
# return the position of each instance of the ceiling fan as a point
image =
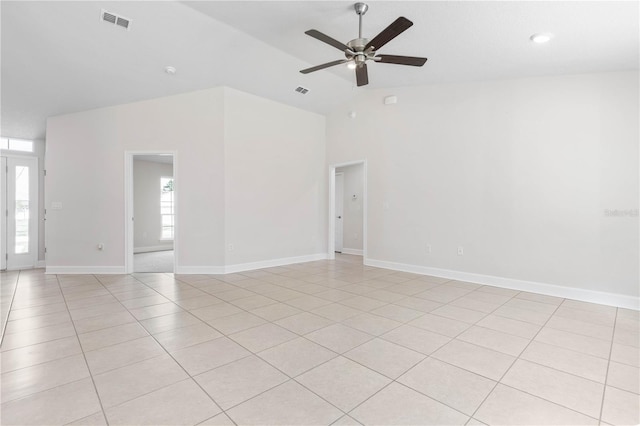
(360, 50)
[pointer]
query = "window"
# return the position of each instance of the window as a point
(16, 144)
(166, 207)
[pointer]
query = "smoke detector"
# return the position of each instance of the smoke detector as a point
(115, 19)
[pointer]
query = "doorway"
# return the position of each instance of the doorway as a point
(19, 204)
(151, 212)
(348, 209)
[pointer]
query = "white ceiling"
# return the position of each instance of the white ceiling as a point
(58, 57)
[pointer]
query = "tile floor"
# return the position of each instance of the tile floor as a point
(320, 343)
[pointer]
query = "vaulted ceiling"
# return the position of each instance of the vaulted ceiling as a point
(59, 57)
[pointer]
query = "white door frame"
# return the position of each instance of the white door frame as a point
(338, 214)
(128, 206)
(332, 208)
(34, 212)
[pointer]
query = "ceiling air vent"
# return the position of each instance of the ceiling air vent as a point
(114, 19)
(302, 90)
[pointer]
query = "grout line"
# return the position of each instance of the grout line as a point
(606, 377)
(6, 320)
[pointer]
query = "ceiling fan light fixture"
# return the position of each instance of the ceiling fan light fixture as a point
(351, 65)
(541, 38)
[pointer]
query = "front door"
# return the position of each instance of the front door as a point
(19, 198)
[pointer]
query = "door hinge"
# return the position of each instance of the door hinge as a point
(45, 249)
(45, 172)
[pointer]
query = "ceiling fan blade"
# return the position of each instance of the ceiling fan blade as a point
(392, 31)
(326, 39)
(362, 77)
(401, 60)
(323, 66)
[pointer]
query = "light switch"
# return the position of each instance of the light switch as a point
(56, 205)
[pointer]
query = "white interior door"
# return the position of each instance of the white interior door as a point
(20, 239)
(339, 228)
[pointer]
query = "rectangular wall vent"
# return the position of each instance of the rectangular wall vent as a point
(302, 90)
(114, 19)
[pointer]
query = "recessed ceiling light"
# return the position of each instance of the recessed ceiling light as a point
(541, 37)
(351, 65)
(170, 70)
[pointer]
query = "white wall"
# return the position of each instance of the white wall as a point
(352, 212)
(275, 180)
(146, 205)
(85, 171)
(517, 172)
(249, 172)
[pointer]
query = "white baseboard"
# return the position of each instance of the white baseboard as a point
(240, 267)
(152, 248)
(85, 270)
(355, 252)
(593, 296)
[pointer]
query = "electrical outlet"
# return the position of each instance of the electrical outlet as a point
(428, 248)
(230, 247)
(460, 251)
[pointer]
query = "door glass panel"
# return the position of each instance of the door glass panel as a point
(22, 210)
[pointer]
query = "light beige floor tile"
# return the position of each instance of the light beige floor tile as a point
(627, 337)
(441, 325)
(262, 337)
(169, 322)
(577, 363)
(453, 386)
(297, 356)
(235, 323)
(216, 311)
(141, 302)
(624, 377)
(510, 326)
(334, 295)
(308, 302)
(417, 304)
(304, 323)
(363, 303)
(111, 336)
(96, 419)
(475, 422)
(122, 354)
(397, 313)
(593, 307)
(479, 360)
(385, 296)
(198, 302)
(508, 406)
(339, 338)
(205, 356)
(27, 381)
(531, 305)
(496, 340)
(336, 312)
(254, 301)
(37, 354)
(39, 335)
(16, 314)
(498, 290)
(155, 311)
(581, 327)
(539, 298)
(59, 405)
(287, 404)
(103, 321)
(173, 340)
(417, 339)
(443, 294)
(343, 382)
(126, 383)
(275, 311)
(621, 407)
(582, 395)
(385, 357)
(576, 342)
(32, 323)
(399, 405)
(606, 319)
(459, 314)
(240, 380)
(533, 317)
(372, 324)
(219, 420)
(346, 421)
(469, 302)
(94, 311)
(182, 403)
(625, 354)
